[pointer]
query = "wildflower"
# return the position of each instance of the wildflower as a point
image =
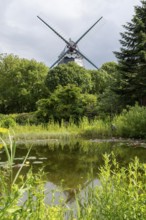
(4, 130)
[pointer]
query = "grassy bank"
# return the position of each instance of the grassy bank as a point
(130, 123)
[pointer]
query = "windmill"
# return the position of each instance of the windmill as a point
(71, 52)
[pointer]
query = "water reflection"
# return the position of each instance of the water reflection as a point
(72, 165)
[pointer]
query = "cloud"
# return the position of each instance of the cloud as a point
(23, 34)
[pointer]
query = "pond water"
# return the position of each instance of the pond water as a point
(72, 163)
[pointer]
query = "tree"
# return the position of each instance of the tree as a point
(110, 67)
(66, 102)
(70, 73)
(21, 84)
(132, 59)
(108, 99)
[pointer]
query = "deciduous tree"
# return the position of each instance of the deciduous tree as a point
(21, 84)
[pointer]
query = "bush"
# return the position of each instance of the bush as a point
(7, 122)
(131, 123)
(120, 195)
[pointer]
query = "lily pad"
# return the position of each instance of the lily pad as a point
(32, 158)
(43, 158)
(37, 162)
(19, 158)
(2, 164)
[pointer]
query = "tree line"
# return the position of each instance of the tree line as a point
(70, 91)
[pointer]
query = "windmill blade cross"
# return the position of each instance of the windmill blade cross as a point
(86, 59)
(54, 31)
(70, 44)
(88, 30)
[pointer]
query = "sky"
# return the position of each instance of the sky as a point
(23, 34)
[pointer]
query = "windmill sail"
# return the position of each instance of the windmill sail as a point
(71, 51)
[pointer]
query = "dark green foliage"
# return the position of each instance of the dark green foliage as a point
(100, 79)
(24, 82)
(66, 74)
(109, 103)
(110, 67)
(21, 84)
(132, 59)
(65, 103)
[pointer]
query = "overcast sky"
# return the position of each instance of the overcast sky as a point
(23, 34)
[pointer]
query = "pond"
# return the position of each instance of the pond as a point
(72, 163)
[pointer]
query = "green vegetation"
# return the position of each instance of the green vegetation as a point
(132, 59)
(69, 74)
(131, 123)
(13, 207)
(121, 194)
(66, 102)
(22, 84)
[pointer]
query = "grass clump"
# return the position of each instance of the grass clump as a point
(96, 129)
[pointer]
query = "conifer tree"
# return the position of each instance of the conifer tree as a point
(132, 59)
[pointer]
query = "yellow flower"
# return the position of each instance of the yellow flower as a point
(3, 130)
(1, 145)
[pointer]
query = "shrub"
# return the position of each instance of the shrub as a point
(121, 194)
(7, 122)
(131, 123)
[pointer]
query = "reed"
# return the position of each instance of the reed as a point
(10, 150)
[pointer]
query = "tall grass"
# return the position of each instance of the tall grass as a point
(10, 150)
(51, 130)
(96, 129)
(130, 123)
(54, 130)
